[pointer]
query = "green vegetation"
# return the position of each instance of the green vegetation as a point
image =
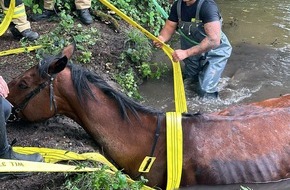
(137, 56)
(144, 12)
(102, 179)
(135, 61)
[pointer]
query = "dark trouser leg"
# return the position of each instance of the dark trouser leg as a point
(5, 110)
(191, 64)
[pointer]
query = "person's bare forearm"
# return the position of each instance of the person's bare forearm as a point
(167, 31)
(211, 41)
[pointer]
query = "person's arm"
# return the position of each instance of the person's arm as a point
(211, 41)
(167, 31)
(4, 90)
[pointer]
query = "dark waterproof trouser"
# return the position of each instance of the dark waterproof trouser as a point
(5, 110)
(207, 68)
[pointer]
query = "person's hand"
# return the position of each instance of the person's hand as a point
(158, 43)
(4, 90)
(179, 55)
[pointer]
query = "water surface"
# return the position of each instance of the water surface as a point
(258, 68)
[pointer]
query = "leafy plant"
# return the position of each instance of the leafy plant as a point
(34, 6)
(126, 80)
(136, 56)
(144, 12)
(66, 32)
(102, 179)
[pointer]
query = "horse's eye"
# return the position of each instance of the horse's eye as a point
(22, 85)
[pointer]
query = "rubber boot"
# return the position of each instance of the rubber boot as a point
(45, 15)
(85, 16)
(28, 33)
(10, 154)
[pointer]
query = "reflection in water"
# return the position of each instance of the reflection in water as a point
(258, 68)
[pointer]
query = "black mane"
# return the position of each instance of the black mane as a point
(81, 77)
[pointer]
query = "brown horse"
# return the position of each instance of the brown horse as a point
(242, 144)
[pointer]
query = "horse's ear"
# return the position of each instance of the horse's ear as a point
(58, 66)
(69, 50)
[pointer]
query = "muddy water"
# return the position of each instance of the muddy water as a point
(258, 68)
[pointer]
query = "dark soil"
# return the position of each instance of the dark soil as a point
(58, 132)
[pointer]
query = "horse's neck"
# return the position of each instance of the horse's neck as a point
(126, 142)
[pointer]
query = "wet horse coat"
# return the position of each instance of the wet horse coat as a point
(241, 144)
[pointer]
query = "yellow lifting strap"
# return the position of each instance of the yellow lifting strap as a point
(179, 94)
(19, 50)
(51, 156)
(174, 141)
(19, 11)
(8, 18)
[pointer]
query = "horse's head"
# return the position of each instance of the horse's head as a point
(32, 93)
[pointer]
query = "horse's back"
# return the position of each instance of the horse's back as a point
(226, 149)
(280, 102)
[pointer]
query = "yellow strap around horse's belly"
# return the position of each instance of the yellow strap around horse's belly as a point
(51, 156)
(179, 94)
(55, 155)
(174, 140)
(8, 18)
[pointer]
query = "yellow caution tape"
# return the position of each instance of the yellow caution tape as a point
(174, 141)
(51, 156)
(19, 50)
(8, 18)
(179, 94)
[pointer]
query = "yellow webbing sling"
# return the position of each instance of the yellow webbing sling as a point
(51, 156)
(19, 50)
(174, 140)
(8, 18)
